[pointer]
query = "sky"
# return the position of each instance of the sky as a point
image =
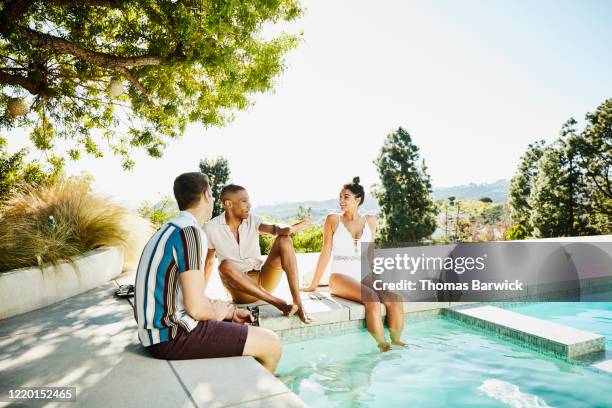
(473, 81)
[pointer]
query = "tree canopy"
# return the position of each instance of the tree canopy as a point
(131, 74)
(404, 194)
(218, 172)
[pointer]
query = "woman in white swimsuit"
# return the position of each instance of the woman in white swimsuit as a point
(342, 236)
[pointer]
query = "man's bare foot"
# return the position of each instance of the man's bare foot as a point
(399, 344)
(384, 347)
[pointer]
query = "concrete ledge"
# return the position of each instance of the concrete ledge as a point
(24, 290)
(542, 334)
(244, 382)
(334, 315)
(604, 366)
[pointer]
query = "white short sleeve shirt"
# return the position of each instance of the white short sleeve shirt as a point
(246, 256)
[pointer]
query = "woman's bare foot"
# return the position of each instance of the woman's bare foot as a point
(399, 343)
(384, 347)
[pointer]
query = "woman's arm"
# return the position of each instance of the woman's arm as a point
(328, 234)
(371, 220)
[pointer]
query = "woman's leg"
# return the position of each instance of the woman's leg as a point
(265, 346)
(395, 319)
(348, 288)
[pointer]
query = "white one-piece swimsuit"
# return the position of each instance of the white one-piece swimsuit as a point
(346, 251)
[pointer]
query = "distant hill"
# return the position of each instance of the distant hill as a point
(496, 191)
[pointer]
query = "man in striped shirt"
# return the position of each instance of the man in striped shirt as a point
(175, 319)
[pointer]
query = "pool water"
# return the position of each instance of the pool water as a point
(594, 317)
(447, 365)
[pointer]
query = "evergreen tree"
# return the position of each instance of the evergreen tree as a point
(557, 200)
(218, 172)
(520, 190)
(593, 149)
(408, 212)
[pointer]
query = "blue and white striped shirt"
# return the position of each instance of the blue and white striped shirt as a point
(178, 246)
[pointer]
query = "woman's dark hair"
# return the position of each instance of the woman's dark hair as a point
(356, 189)
(188, 187)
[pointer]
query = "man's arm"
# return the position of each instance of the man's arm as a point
(208, 265)
(199, 306)
(273, 229)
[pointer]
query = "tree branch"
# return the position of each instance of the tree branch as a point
(100, 59)
(16, 9)
(130, 77)
(115, 4)
(35, 88)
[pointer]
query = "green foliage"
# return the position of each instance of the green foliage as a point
(407, 208)
(565, 189)
(558, 209)
(131, 74)
(16, 173)
(57, 222)
(218, 172)
(593, 150)
(521, 185)
(517, 232)
(308, 240)
(160, 213)
(265, 243)
(486, 200)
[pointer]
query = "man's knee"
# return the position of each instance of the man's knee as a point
(226, 269)
(285, 241)
(263, 343)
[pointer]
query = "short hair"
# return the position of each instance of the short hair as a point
(356, 189)
(188, 187)
(230, 189)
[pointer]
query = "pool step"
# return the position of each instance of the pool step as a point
(604, 366)
(541, 334)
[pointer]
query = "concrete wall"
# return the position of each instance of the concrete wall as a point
(23, 290)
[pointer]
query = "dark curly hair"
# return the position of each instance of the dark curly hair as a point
(356, 189)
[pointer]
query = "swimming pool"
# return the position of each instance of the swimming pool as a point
(448, 365)
(595, 317)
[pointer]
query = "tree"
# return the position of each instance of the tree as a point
(593, 150)
(520, 190)
(131, 74)
(218, 172)
(404, 194)
(16, 173)
(303, 212)
(558, 207)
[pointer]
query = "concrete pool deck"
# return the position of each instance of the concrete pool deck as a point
(89, 341)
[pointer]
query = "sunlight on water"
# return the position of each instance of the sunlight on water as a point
(446, 365)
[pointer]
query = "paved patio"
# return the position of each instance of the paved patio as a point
(90, 341)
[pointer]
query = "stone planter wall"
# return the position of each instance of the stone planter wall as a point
(23, 290)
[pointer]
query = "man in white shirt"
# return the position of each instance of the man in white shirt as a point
(234, 237)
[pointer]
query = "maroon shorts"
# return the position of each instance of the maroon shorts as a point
(209, 339)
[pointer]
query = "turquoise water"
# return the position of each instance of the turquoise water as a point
(595, 317)
(448, 365)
